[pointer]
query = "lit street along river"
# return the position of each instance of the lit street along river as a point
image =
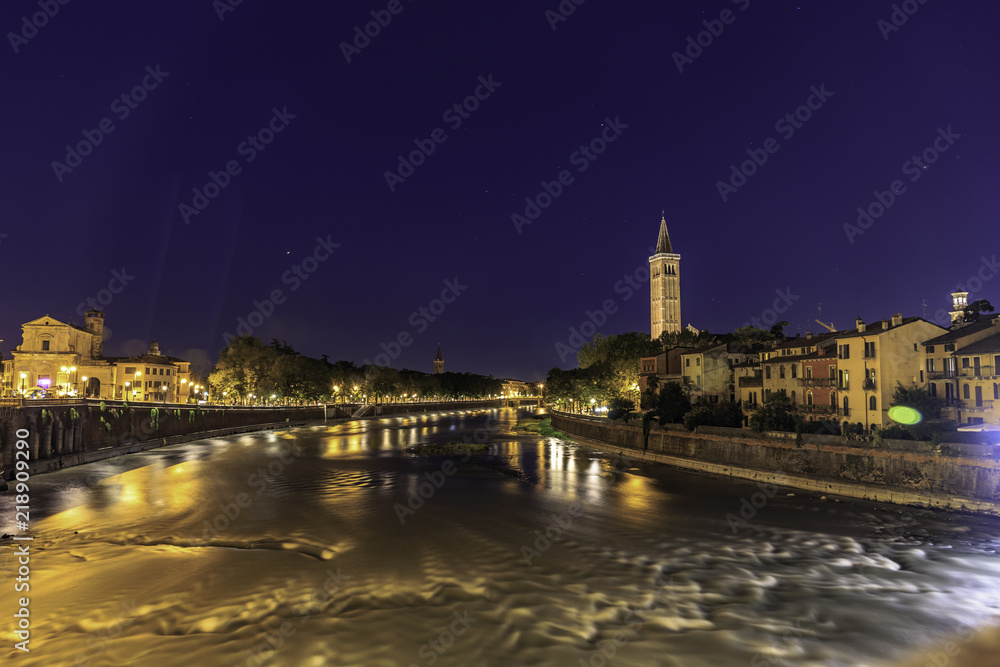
(330, 546)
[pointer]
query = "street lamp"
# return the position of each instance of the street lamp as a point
(125, 390)
(23, 376)
(135, 385)
(84, 378)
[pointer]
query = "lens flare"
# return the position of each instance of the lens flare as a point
(902, 414)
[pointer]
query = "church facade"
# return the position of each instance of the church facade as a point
(68, 360)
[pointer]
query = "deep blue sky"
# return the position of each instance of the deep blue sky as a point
(323, 175)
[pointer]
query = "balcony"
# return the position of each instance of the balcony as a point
(819, 409)
(868, 384)
(817, 382)
(972, 372)
(974, 406)
(941, 375)
(751, 381)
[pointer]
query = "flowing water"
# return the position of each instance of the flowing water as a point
(329, 545)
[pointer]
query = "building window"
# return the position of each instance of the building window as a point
(130, 370)
(965, 362)
(767, 372)
(930, 365)
(965, 391)
(847, 408)
(921, 377)
(996, 391)
(870, 350)
(795, 371)
(930, 349)
(844, 352)
(45, 345)
(871, 404)
(793, 396)
(809, 372)
(949, 347)
(767, 393)
(687, 363)
(933, 389)
(781, 372)
(833, 399)
(843, 380)
(809, 398)
(833, 372)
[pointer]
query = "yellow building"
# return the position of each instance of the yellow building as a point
(963, 369)
(873, 359)
(707, 372)
(68, 360)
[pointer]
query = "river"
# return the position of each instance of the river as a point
(328, 545)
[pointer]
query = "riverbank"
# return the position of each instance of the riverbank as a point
(824, 464)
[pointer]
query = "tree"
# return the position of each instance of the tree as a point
(919, 399)
(617, 358)
(243, 366)
(714, 414)
(619, 408)
(672, 403)
(974, 310)
(776, 413)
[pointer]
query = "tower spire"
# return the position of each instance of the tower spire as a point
(663, 241)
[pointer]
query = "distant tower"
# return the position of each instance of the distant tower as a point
(959, 300)
(93, 322)
(438, 362)
(664, 285)
(154, 349)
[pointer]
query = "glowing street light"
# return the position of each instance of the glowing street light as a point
(23, 376)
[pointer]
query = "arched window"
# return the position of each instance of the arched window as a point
(809, 398)
(871, 403)
(795, 369)
(781, 372)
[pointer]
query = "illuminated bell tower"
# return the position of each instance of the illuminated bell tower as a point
(959, 300)
(438, 362)
(664, 285)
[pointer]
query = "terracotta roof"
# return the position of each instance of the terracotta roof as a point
(961, 332)
(875, 328)
(988, 345)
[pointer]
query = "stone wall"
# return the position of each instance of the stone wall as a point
(958, 476)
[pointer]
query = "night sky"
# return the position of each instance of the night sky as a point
(886, 95)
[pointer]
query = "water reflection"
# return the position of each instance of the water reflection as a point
(217, 543)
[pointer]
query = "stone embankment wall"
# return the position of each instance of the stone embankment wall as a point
(954, 476)
(62, 434)
(65, 434)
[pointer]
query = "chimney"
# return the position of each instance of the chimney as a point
(885, 324)
(861, 325)
(809, 335)
(897, 319)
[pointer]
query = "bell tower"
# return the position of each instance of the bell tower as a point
(93, 322)
(438, 362)
(959, 300)
(664, 285)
